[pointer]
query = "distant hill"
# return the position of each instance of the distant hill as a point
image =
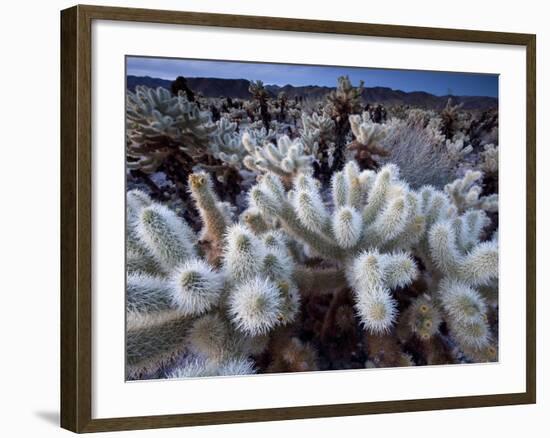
(208, 87)
(238, 88)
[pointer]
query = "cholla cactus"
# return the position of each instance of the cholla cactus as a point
(162, 125)
(457, 252)
(489, 156)
(319, 137)
(372, 276)
(262, 294)
(371, 236)
(213, 309)
(461, 262)
(483, 129)
(166, 237)
(466, 193)
(195, 287)
(260, 136)
(359, 200)
(368, 138)
(449, 118)
(434, 131)
(456, 150)
(153, 340)
(137, 255)
(255, 305)
(342, 103)
(467, 315)
(370, 210)
(376, 210)
(259, 93)
(366, 131)
(283, 102)
(214, 213)
(423, 318)
(216, 295)
(226, 143)
(203, 368)
(489, 167)
(171, 133)
(346, 99)
(286, 160)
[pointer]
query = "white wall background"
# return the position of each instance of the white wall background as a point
(29, 215)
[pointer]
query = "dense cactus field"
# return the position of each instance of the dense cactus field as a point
(276, 234)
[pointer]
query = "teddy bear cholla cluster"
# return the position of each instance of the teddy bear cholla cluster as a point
(222, 300)
(214, 303)
(213, 298)
(164, 127)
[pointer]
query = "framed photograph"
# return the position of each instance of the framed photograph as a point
(269, 218)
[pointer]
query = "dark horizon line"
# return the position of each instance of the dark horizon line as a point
(319, 86)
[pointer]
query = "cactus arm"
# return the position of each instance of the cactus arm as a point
(154, 341)
(214, 220)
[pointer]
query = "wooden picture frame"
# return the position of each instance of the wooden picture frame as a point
(76, 217)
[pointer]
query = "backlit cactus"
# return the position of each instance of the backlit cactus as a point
(373, 275)
(196, 287)
(461, 262)
(368, 140)
(467, 314)
(286, 159)
(213, 313)
(370, 210)
(466, 193)
(256, 305)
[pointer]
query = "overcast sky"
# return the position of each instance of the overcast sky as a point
(438, 83)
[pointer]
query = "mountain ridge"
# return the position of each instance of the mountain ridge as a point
(238, 88)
